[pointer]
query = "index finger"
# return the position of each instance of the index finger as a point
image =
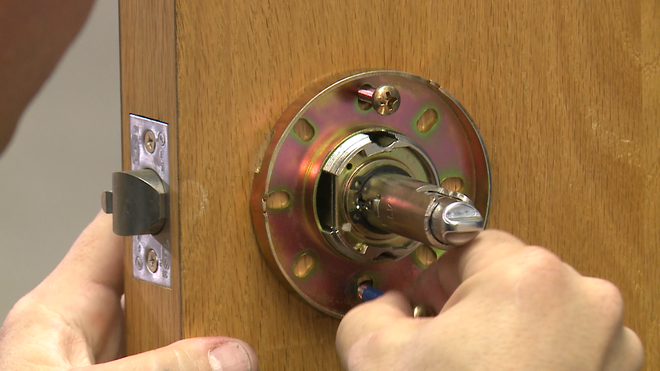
(438, 282)
(86, 286)
(96, 257)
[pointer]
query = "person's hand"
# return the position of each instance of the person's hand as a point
(502, 306)
(73, 320)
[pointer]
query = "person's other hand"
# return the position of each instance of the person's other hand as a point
(502, 306)
(73, 320)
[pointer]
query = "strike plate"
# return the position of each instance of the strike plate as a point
(150, 150)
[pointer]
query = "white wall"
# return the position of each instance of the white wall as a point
(63, 154)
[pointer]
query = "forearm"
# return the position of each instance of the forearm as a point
(33, 36)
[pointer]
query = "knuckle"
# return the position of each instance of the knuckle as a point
(542, 257)
(170, 357)
(606, 296)
(180, 357)
(361, 355)
(497, 236)
(24, 304)
(636, 350)
(182, 353)
(22, 310)
(349, 331)
(537, 263)
(535, 271)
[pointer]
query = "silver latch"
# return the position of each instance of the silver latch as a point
(137, 202)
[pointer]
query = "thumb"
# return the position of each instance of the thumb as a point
(199, 354)
(389, 318)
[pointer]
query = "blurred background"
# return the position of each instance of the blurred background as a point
(61, 158)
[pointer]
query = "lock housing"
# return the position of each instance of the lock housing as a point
(310, 208)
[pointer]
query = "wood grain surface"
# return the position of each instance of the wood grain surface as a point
(645, 315)
(148, 88)
(565, 94)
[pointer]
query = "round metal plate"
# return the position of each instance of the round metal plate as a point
(283, 205)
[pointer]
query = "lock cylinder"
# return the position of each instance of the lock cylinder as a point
(378, 199)
(423, 212)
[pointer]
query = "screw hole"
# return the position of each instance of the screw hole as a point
(304, 130)
(365, 106)
(303, 265)
(427, 120)
(453, 183)
(349, 166)
(425, 255)
(385, 256)
(278, 200)
(365, 279)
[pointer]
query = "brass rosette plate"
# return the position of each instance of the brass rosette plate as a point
(284, 201)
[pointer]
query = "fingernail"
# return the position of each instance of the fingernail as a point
(230, 356)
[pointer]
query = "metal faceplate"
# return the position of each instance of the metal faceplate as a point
(320, 248)
(149, 150)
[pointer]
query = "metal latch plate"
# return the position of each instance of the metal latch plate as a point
(150, 150)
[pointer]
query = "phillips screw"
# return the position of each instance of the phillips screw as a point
(384, 99)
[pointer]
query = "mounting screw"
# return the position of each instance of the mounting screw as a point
(361, 248)
(150, 141)
(384, 99)
(152, 261)
(423, 310)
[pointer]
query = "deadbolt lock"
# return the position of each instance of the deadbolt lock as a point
(368, 178)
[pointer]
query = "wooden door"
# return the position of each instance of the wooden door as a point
(565, 94)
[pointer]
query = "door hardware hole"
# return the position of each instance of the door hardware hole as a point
(304, 265)
(304, 130)
(278, 200)
(384, 257)
(383, 139)
(365, 279)
(365, 106)
(325, 205)
(349, 166)
(453, 183)
(427, 120)
(425, 255)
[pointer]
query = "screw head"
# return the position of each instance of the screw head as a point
(386, 100)
(361, 248)
(150, 141)
(423, 310)
(152, 261)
